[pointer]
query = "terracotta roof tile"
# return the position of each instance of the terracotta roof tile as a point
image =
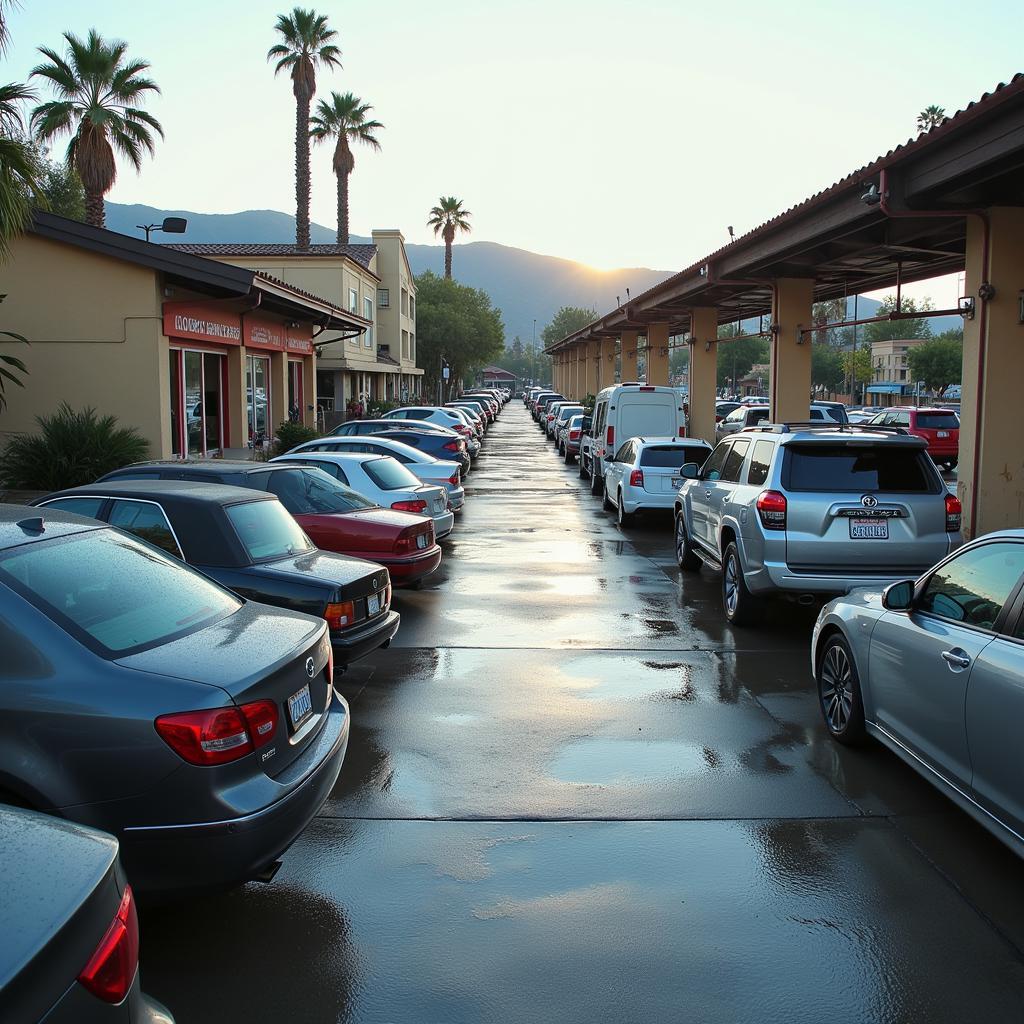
(361, 254)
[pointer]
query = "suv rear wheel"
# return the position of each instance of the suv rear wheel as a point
(686, 557)
(839, 691)
(741, 607)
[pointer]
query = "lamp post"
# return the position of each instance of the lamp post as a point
(172, 225)
(533, 353)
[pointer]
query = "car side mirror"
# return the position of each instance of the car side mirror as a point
(898, 597)
(691, 471)
(586, 424)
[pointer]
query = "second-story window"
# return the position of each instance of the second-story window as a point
(353, 300)
(412, 307)
(384, 298)
(368, 313)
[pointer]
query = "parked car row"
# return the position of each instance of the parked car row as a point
(923, 648)
(172, 635)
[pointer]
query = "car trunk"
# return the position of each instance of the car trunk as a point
(361, 532)
(872, 509)
(435, 497)
(662, 466)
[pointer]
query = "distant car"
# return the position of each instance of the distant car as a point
(645, 473)
(444, 474)
(566, 410)
(478, 418)
(335, 516)
(939, 427)
(933, 668)
(246, 541)
(71, 930)
(744, 416)
(441, 442)
(722, 409)
(384, 481)
(569, 437)
(206, 729)
(438, 415)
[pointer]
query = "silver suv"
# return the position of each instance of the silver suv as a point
(811, 510)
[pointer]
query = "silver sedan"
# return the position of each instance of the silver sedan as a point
(934, 669)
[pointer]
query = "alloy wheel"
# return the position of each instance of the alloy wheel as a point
(732, 585)
(836, 688)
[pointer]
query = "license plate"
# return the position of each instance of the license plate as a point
(421, 540)
(300, 706)
(869, 529)
(372, 604)
(942, 433)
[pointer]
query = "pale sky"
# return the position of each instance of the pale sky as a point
(616, 134)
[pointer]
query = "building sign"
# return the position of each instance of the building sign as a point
(197, 321)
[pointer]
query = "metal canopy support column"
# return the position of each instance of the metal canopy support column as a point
(593, 354)
(703, 372)
(990, 481)
(657, 354)
(627, 343)
(580, 371)
(556, 371)
(606, 364)
(790, 387)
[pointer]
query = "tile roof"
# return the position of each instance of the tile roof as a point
(361, 254)
(302, 293)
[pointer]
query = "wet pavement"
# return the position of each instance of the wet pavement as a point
(573, 793)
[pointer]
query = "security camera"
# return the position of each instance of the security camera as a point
(872, 197)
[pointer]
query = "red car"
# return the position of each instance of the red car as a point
(939, 427)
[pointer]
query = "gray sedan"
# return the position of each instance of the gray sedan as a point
(934, 669)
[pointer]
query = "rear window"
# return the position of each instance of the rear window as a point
(309, 491)
(267, 531)
(673, 456)
(855, 469)
(937, 421)
(113, 593)
(389, 475)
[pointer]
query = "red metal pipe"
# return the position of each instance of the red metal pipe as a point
(982, 215)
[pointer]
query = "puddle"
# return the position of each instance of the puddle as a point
(612, 762)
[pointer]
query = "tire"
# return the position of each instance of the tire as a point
(839, 695)
(740, 606)
(606, 502)
(567, 455)
(582, 469)
(686, 558)
(622, 517)
(596, 482)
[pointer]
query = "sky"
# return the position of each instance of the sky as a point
(616, 134)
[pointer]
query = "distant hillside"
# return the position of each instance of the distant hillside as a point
(523, 285)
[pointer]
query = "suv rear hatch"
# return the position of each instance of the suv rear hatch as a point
(872, 506)
(940, 428)
(661, 465)
(643, 413)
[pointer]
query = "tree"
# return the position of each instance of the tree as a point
(458, 324)
(826, 367)
(99, 95)
(931, 117)
(736, 358)
(60, 188)
(827, 312)
(568, 320)
(446, 219)
(678, 360)
(857, 365)
(894, 330)
(306, 45)
(343, 118)
(19, 171)
(939, 362)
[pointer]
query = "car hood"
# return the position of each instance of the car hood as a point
(326, 566)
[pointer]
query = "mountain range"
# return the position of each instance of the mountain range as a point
(527, 287)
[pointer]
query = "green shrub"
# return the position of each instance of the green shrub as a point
(72, 448)
(376, 408)
(291, 434)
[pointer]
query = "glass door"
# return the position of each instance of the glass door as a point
(257, 385)
(296, 399)
(197, 398)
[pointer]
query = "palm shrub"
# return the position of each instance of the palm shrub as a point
(72, 448)
(289, 435)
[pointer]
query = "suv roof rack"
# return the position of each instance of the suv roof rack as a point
(846, 428)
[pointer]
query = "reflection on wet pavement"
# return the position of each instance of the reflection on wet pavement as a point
(572, 793)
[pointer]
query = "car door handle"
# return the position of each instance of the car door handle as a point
(707, 494)
(956, 657)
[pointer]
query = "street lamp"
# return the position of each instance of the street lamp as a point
(533, 353)
(172, 225)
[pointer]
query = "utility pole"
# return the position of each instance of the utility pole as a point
(533, 353)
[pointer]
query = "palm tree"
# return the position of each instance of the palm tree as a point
(307, 44)
(19, 168)
(931, 117)
(98, 92)
(446, 219)
(343, 118)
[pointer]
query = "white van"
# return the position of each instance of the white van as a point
(631, 410)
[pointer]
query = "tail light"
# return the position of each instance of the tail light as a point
(636, 478)
(954, 511)
(682, 431)
(771, 507)
(574, 435)
(452, 446)
(718, 419)
(340, 614)
(454, 479)
(220, 735)
(551, 416)
(406, 541)
(418, 506)
(112, 967)
(646, 389)
(462, 428)
(609, 437)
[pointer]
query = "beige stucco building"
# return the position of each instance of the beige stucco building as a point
(372, 281)
(202, 358)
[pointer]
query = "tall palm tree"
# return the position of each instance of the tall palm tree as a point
(343, 118)
(19, 168)
(931, 117)
(306, 45)
(98, 96)
(446, 219)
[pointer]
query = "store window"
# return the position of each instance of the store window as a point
(368, 313)
(197, 402)
(257, 388)
(296, 398)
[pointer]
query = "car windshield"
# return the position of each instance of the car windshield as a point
(673, 456)
(309, 491)
(856, 469)
(113, 593)
(938, 421)
(267, 531)
(389, 475)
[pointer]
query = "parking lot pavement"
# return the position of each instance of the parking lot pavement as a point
(572, 793)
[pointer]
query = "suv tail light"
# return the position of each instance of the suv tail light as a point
(219, 735)
(609, 437)
(112, 967)
(771, 507)
(574, 435)
(418, 506)
(340, 614)
(953, 513)
(636, 478)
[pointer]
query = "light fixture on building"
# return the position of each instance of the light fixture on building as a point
(172, 225)
(872, 197)
(966, 306)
